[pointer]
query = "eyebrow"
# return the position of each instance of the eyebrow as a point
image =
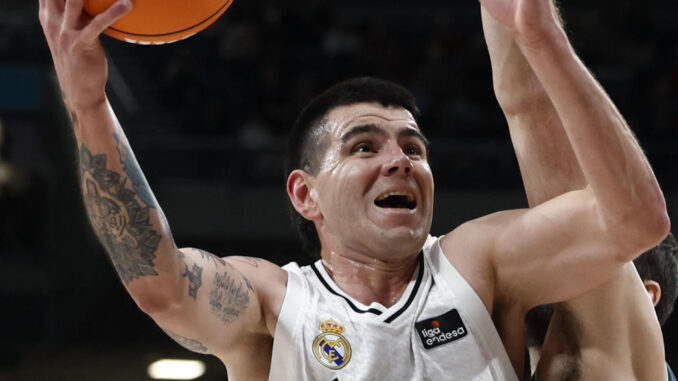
(409, 132)
(374, 129)
(362, 129)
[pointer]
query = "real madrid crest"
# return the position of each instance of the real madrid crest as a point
(330, 347)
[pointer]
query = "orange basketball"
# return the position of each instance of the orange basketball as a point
(160, 21)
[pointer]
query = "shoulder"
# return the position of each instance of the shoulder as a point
(474, 242)
(482, 232)
(470, 249)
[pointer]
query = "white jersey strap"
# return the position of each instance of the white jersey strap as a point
(286, 327)
(480, 323)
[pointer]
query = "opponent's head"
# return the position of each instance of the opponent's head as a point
(658, 268)
(343, 146)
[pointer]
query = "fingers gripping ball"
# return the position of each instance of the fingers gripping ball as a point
(160, 21)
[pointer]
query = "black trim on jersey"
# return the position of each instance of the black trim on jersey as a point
(350, 304)
(413, 294)
(527, 366)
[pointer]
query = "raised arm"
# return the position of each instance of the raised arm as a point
(619, 210)
(547, 163)
(613, 164)
(165, 282)
(549, 168)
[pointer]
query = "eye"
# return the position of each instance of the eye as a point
(412, 150)
(363, 147)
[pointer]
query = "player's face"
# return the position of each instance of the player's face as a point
(374, 185)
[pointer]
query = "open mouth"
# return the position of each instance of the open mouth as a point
(397, 200)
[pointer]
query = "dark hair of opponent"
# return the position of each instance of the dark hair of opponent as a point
(660, 264)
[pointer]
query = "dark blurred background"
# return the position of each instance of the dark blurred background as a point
(207, 118)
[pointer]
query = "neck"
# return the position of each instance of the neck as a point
(368, 279)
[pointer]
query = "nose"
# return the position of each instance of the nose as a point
(398, 164)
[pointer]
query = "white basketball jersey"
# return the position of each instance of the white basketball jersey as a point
(439, 330)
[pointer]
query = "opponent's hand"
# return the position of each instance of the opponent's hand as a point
(73, 40)
(532, 21)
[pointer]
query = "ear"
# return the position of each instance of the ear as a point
(654, 291)
(300, 191)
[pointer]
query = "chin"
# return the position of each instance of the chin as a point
(404, 238)
(400, 225)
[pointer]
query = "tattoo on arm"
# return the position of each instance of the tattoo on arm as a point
(228, 297)
(190, 344)
(133, 171)
(119, 219)
(249, 285)
(207, 255)
(195, 280)
(254, 262)
(247, 281)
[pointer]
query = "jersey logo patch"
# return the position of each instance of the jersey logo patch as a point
(331, 348)
(440, 330)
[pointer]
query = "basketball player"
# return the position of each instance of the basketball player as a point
(386, 300)
(610, 332)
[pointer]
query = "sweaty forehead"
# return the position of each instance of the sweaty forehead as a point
(342, 118)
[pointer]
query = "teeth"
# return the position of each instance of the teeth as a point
(410, 196)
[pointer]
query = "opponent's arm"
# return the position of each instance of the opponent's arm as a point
(547, 163)
(582, 234)
(620, 178)
(549, 168)
(165, 282)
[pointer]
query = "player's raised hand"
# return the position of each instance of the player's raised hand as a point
(73, 40)
(531, 21)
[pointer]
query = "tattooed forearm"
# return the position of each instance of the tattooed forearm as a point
(195, 280)
(133, 171)
(190, 344)
(228, 297)
(121, 222)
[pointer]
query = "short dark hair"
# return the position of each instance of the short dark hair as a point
(307, 142)
(660, 264)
